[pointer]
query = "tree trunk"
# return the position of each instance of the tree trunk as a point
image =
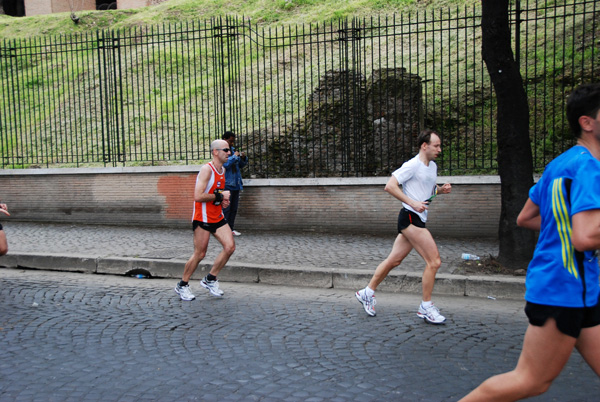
(515, 162)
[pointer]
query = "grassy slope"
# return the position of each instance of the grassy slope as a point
(270, 13)
(261, 12)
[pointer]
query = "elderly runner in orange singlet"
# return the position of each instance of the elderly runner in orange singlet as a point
(210, 198)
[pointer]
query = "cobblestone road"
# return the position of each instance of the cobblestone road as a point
(76, 337)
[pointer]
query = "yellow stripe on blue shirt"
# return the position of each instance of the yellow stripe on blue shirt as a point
(563, 225)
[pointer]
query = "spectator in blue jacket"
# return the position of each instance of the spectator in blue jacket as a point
(233, 179)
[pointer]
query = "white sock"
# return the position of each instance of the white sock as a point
(426, 304)
(369, 292)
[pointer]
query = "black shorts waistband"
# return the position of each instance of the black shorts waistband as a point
(211, 227)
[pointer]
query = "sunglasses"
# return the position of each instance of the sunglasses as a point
(224, 149)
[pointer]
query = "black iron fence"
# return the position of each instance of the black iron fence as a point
(343, 98)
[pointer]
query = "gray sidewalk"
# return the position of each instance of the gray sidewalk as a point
(344, 261)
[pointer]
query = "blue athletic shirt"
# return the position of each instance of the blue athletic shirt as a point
(569, 185)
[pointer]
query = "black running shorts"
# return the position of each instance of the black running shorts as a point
(569, 320)
(407, 218)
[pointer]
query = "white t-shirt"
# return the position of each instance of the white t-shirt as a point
(418, 181)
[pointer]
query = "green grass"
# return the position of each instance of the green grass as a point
(260, 12)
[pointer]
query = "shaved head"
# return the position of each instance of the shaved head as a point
(216, 144)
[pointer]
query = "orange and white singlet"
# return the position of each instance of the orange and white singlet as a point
(207, 212)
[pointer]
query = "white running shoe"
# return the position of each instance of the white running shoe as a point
(184, 292)
(431, 314)
(212, 286)
(236, 233)
(367, 302)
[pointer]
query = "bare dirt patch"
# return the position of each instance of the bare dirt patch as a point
(486, 266)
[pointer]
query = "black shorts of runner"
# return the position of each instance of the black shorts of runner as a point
(1, 226)
(211, 227)
(569, 320)
(407, 218)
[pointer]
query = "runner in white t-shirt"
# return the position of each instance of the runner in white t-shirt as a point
(415, 185)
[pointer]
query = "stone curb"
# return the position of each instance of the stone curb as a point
(494, 286)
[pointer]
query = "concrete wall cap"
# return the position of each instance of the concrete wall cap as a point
(274, 182)
(100, 170)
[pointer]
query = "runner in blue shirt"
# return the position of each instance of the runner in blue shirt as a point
(562, 279)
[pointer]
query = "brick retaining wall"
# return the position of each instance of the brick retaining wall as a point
(163, 196)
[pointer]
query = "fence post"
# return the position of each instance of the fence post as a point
(106, 152)
(224, 48)
(352, 98)
(8, 53)
(118, 100)
(518, 21)
(109, 77)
